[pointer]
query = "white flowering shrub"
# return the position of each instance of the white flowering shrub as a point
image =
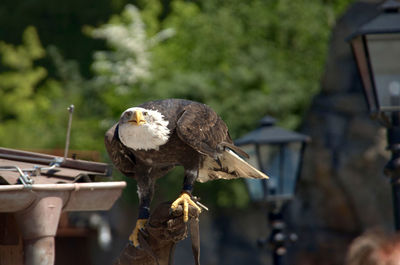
(128, 62)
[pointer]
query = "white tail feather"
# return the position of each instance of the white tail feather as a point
(232, 167)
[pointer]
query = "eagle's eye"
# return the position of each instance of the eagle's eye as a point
(128, 114)
(144, 113)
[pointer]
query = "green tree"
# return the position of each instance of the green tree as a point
(33, 106)
(245, 59)
(26, 98)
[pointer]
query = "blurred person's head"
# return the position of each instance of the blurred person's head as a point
(374, 248)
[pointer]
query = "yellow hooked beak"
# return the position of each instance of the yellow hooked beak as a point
(137, 118)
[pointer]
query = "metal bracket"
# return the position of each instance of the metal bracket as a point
(57, 161)
(23, 177)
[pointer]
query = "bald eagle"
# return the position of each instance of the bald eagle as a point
(152, 138)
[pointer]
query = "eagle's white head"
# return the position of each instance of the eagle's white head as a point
(143, 129)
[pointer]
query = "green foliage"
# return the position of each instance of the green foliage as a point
(33, 107)
(59, 23)
(24, 98)
(245, 59)
(119, 72)
(19, 61)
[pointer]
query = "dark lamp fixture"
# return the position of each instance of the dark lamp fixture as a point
(278, 153)
(376, 48)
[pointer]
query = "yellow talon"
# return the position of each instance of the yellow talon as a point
(135, 233)
(185, 200)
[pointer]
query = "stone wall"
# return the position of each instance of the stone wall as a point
(342, 191)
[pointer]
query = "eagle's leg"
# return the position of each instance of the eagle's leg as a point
(145, 192)
(185, 199)
(133, 238)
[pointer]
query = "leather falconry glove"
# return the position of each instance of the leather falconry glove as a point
(158, 238)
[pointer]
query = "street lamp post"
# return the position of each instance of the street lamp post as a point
(376, 49)
(278, 153)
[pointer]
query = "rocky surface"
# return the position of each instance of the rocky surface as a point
(342, 191)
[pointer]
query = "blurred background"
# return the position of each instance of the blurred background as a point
(245, 59)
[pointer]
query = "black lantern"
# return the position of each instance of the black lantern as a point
(278, 153)
(376, 49)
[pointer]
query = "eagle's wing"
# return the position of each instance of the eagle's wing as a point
(201, 128)
(121, 156)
